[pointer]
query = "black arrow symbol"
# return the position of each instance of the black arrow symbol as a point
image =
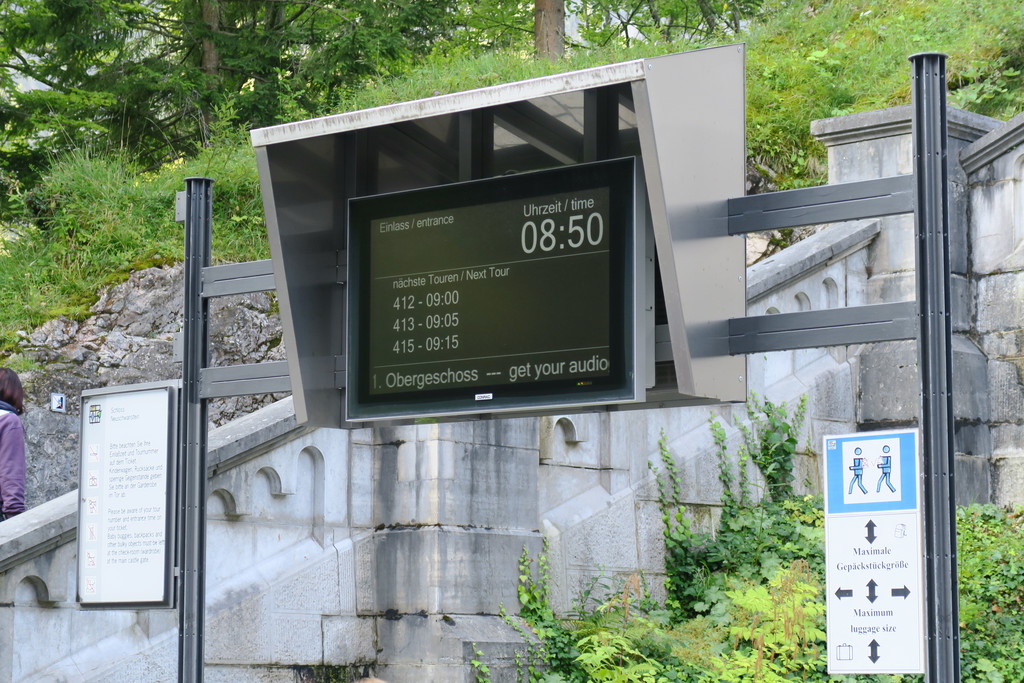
(900, 592)
(844, 593)
(872, 596)
(874, 651)
(871, 531)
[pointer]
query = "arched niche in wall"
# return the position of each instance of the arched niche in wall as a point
(32, 591)
(1018, 204)
(831, 293)
(312, 472)
(273, 479)
(221, 503)
(803, 302)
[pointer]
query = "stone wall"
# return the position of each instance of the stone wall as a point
(994, 166)
(887, 395)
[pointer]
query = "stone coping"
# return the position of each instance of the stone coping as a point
(55, 522)
(993, 145)
(881, 123)
(794, 262)
(38, 530)
(252, 435)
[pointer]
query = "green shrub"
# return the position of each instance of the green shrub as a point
(764, 618)
(777, 628)
(752, 540)
(991, 572)
(751, 543)
(746, 603)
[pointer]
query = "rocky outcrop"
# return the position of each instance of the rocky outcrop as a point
(130, 338)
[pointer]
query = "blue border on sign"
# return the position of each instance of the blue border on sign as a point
(835, 473)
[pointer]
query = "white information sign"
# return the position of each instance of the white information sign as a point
(873, 553)
(126, 501)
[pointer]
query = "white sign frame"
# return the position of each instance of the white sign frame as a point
(127, 511)
(874, 591)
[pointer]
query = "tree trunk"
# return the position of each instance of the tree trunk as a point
(549, 28)
(708, 12)
(664, 29)
(210, 60)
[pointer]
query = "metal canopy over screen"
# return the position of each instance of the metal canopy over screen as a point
(681, 116)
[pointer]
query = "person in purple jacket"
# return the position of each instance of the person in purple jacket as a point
(12, 445)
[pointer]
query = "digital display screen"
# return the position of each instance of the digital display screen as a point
(491, 295)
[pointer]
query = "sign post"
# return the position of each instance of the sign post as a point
(935, 354)
(873, 550)
(193, 434)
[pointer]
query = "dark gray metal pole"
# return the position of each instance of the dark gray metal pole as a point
(192, 513)
(935, 352)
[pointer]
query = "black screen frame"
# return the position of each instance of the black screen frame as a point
(620, 176)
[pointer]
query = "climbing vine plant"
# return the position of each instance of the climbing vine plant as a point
(749, 530)
(770, 439)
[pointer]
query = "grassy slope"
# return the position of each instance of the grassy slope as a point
(823, 59)
(103, 219)
(807, 61)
